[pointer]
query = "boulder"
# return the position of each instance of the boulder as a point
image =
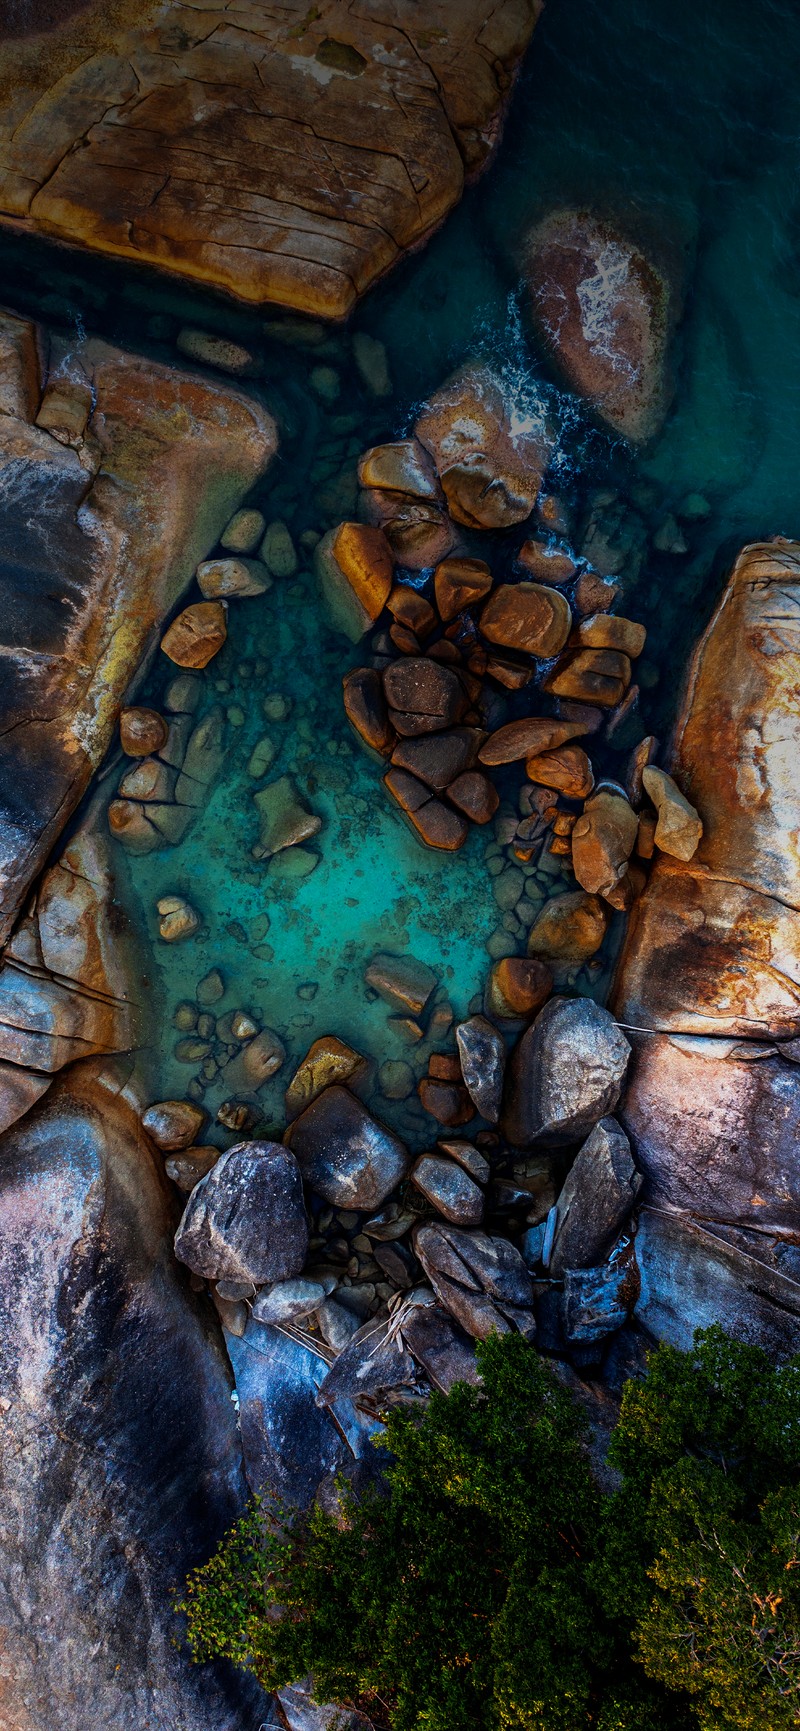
(217, 579)
(679, 830)
(423, 696)
(401, 981)
(355, 568)
(259, 1060)
(448, 1189)
(474, 795)
(141, 731)
(593, 676)
(691, 1278)
(327, 1061)
(343, 1153)
(443, 1349)
(436, 824)
(482, 1281)
(482, 1053)
(546, 562)
(527, 617)
(488, 456)
(289, 1300)
(439, 758)
(404, 467)
(418, 531)
(603, 840)
(567, 770)
(569, 930)
(603, 310)
(565, 1074)
(518, 987)
(529, 737)
(597, 1301)
(460, 583)
(600, 1190)
(187, 1168)
(409, 608)
(197, 635)
(373, 1362)
(366, 709)
(246, 1219)
(173, 1124)
(611, 631)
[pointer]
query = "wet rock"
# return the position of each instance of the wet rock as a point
(598, 1195)
(489, 461)
(423, 696)
(418, 531)
(289, 1300)
(243, 532)
(529, 737)
(483, 1060)
(438, 759)
(197, 635)
(460, 583)
(435, 824)
(277, 551)
(474, 795)
(142, 732)
(679, 830)
(597, 1301)
(565, 1074)
(482, 1281)
(258, 1061)
(343, 1153)
(173, 1124)
(594, 676)
(527, 617)
(569, 930)
(446, 1101)
(611, 631)
(449, 1189)
(443, 1349)
(355, 568)
(518, 986)
(401, 981)
(246, 1219)
(567, 770)
(404, 467)
(130, 825)
(547, 563)
(643, 754)
(217, 579)
(177, 919)
(602, 842)
(467, 1155)
(211, 988)
(186, 1169)
(183, 694)
(593, 594)
(284, 820)
(396, 1079)
(329, 1060)
(366, 709)
(604, 311)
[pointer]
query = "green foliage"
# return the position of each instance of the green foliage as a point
(494, 1587)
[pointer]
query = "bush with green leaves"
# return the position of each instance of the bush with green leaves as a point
(492, 1586)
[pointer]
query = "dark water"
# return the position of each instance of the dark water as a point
(681, 122)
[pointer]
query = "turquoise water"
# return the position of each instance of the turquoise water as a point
(681, 122)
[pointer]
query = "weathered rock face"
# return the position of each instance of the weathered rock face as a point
(565, 1073)
(287, 156)
(117, 476)
(712, 959)
(120, 1462)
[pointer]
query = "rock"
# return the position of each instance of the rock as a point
(277, 551)
(483, 1060)
(565, 1074)
(569, 930)
(153, 464)
(443, 1349)
(328, 1060)
(173, 1124)
(690, 1278)
(366, 709)
(130, 825)
(547, 563)
(595, 676)
(355, 568)
(214, 351)
(679, 830)
(401, 981)
(372, 1362)
(604, 311)
(219, 578)
(527, 617)
(466, 1155)
(177, 919)
(211, 988)
(262, 757)
(611, 631)
(460, 583)
(423, 696)
(404, 467)
(344, 1154)
(600, 1190)
(567, 770)
(408, 607)
(149, 780)
(518, 987)
(597, 1301)
(482, 1281)
(300, 1712)
(418, 531)
(197, 634)
(243, 532)
(284, 820)
(183, 694)
(205, 755)
(372, 363)
(186, 1169)
(602, 842)
(593, 594)
(336, 1324)
(142, 732)
(258, 1061)
(435, 824)
(246, 1219)
(529, 737)
(449, 1189)
(489, 457)
(473, 794)
(447, 1102)
(102, 1459)
(438, 759)
(289, 1300)
(642, 755)
(669, 538)
(396, 1079)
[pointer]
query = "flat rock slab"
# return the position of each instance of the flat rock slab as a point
(691, 1279)
(134, 469)
(286, 154)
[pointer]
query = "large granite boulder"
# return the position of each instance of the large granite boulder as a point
(246, 1220)
(120, 1460)
(482, 1281)
(116, 476)
(566, 1072)
(286, 154)
(344, 1154)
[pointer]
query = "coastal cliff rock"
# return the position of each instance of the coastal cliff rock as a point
(116, 475)
(288, 154)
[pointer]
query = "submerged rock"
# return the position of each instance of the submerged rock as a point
(246, 1219)
(284, 820)
(343, 1153)
(565, 1074)
(329, 1060)
(219, 578)
(402, 981)
(569, 930)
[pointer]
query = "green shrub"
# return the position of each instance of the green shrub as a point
(494, 1587)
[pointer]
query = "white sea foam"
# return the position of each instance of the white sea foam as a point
(599, 298)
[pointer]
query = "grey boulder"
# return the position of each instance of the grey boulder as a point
(372, 1363)
(599, 1193)
(343, 1153)
(289, 1300)
(597, 1301)
(482, 1281)
(482, 1052)
(449, 1189)
(566, 1073)
(440, 1345)
(246, 1220)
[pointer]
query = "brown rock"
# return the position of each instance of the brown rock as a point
(404, 640)
(129, 824)
(355, 568)
(518, 986)
(149, 780)
(598, 676)
(569, 930)
(402, 981)
(435, 824)
(592, 594)
(642, 755)
(547, 563)
(418, 531)
(197, 635)
(186, 1169)
(679, 830)
(445, 1067)
(646, 839)
(423, 696)
(489, 462)
(527, 617)
(527, 738)
(404, 467)
(219, 578)
(475, 795)
(366, 710)
(611, 631)
(445, 1101)
(508, 673)
(604, 311)
(602, 841)
(142, 732)
(567, 769)
(173, 1124)
(459, 583)
(438, 758)
(408, 607)
(329, 1060)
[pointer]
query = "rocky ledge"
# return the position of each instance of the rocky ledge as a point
(288, 155)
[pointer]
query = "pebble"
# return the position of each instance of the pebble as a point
(211, 988)
(214, 351)
(243, 532)
(396, 1079)
(338, 1322)
(278, 551)
(275, 706)
(326, 383)
(508, 887)
(372, 365)
(172, 1124)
